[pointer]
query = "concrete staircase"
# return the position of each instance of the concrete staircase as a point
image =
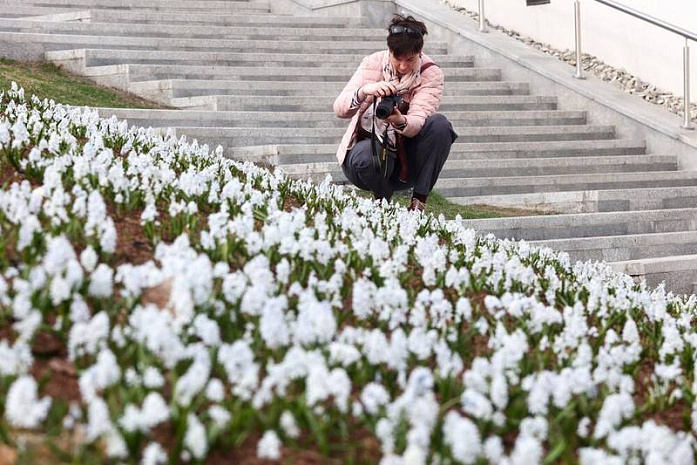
(262, 85)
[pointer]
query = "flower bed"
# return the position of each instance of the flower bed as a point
(161, 303)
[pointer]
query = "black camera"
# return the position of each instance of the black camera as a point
(387, 105)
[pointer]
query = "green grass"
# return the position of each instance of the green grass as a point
(47, 80)
(437, 204)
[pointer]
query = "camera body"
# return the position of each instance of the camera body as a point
(387, 105)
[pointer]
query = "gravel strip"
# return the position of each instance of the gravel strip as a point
(591, 64)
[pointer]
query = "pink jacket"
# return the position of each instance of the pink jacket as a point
(424, 98)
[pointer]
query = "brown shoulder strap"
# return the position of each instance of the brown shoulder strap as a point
(427, 65)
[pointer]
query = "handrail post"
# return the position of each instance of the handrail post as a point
(482, 20)
(577, 24)
(686, 81)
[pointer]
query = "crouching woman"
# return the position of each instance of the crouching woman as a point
(420, 137)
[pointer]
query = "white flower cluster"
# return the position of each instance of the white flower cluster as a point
(444, 345)
(23, 408)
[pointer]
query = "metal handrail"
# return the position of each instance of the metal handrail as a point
(658, 22)
(482, 20)
(687, 123)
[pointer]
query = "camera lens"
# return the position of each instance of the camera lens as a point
(383, 111)
(386, 106)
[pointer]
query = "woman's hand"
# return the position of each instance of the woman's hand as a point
(396, 118)
(377, 89)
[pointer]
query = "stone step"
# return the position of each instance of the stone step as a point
(547, 227)
(179, 31)
(549, 149)
(235, 137)
(679, 272)
(282, 154)
(165, 118)
(53, 42)
(80, 58)
(322, 103)
(339, 74)
(137, 5)
(626, 247)
(169, 89)
(28, 12)
(205, 18)
(122, 76)
(191, 19)
(533, 133)
(519, 167)
(591, 201)
(560, 183)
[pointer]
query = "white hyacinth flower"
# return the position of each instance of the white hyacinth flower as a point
(269, 447)
(23, 408)
(154, 454)
(195, 439)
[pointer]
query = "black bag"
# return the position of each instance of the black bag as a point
(383, 158)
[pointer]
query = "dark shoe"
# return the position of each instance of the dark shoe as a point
(416, 204)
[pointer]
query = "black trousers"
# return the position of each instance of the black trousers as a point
(426, 152)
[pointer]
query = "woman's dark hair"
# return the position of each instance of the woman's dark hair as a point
(410, 36)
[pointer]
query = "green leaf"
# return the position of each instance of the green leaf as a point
(555, 453)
